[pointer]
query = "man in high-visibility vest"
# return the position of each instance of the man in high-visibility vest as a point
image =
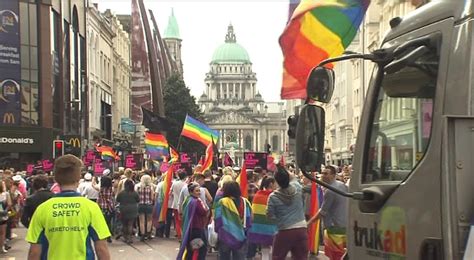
(65, 226)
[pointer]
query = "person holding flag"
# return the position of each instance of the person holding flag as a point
(263, 229)
(232, 221)
(286, 208)
(195, 218)
(334, 214)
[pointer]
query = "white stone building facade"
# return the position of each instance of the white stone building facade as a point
(232, 104)
(108, 53)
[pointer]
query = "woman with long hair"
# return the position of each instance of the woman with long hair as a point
(5, 204)
(195, 218)
(106, 201)
(145, 206)
(232, 220)
(128, 201)
(263, 229)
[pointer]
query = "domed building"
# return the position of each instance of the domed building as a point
(233, 105)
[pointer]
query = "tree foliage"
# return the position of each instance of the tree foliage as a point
(179, 102)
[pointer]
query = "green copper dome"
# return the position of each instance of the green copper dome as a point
(172, 31)
(230, 51)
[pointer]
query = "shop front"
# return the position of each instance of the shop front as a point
(20, 146)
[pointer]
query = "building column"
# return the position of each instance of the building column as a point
(222, 90)
(222, 137)
(254, 140)
(282, 145)
(227, 87)
(240, 137)
(240, 90)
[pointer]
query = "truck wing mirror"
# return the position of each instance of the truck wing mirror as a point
(310, 138)
(310, 143)
(320, 84)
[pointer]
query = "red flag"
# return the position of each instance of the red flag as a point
(282, 160)
(209, 156)
(228, 160)
(243, 181)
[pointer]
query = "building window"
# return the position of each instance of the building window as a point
(30, 101)
(248, 143)
(275, 143)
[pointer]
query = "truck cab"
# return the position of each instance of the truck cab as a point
(412, 185)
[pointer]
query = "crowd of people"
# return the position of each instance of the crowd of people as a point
(207, 210)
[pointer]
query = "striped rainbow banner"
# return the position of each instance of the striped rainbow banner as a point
(317, 30)
(198, 131)
(156, 145)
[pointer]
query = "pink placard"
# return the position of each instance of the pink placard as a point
(130, 161)
(89, 157)
(164, 167)
(29, 168)
(253, 159)
(99, 166)
(271, 164)
(47, 165)
(184, 158)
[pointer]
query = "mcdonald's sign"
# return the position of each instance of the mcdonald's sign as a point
(72, 144)
(75, 142)
(8, 118)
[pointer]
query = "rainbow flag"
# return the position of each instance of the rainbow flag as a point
(263, 229)
(317, 30)
(156, 145)
(198, 131)
(107, 153)
(207, 163)
(165, 194)
(314, 229)
(334, 242)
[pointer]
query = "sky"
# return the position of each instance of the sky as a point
(203, 26)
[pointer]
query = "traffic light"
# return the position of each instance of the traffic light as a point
(292, 122)
(268, 147)
(58, 148)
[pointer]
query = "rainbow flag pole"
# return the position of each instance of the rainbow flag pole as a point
(156, 145)
(314, 229)
(198, 131)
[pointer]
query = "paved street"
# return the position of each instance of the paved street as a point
(163, 249)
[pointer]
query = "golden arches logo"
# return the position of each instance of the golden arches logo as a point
(75, 142)
(8, 118)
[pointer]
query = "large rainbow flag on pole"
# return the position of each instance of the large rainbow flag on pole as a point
(156, 145)
(317, 30)
(198, 131)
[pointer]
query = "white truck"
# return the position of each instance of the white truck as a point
(412, 186)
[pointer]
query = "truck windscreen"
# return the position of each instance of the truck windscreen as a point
(400, 129)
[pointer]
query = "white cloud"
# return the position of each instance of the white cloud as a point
(203, 25)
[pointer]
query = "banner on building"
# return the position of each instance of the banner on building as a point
(10, 67)
(141, 84)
